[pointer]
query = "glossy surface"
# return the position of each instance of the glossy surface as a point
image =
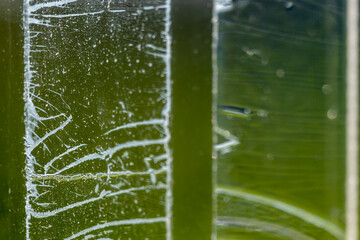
(284, 61)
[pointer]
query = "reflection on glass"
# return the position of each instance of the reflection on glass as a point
(280, 119)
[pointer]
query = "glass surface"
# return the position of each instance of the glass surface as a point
(281, 120)
(95, 115)
(97, 101)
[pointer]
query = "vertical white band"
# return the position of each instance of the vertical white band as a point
(352, 106)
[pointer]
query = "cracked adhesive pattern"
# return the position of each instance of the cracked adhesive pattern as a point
(96, 110)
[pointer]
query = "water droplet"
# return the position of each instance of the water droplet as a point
(289, 5)
(326, 89)
(280, 73)
(270, 156)
(262, 113)
(332, 114)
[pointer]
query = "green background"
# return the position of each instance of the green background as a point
(284, 62)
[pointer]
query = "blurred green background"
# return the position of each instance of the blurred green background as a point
(12, 187)
(283, 62)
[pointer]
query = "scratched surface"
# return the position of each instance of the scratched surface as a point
(96, 105)
(281, 116)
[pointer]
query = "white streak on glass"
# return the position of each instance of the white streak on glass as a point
(69, 15)
(102, 195)
(73, 177)
(232, 140)
(135, 124)
(306, 216)
(256, 225)
(49, 164)
(215, 35)
(34, 8)
(117, 223)
(153, 47)
(52, 132)
(166, 114)
(111, 151)
(117, 11)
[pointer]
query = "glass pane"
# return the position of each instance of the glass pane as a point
(280, 116)
(96, 104)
